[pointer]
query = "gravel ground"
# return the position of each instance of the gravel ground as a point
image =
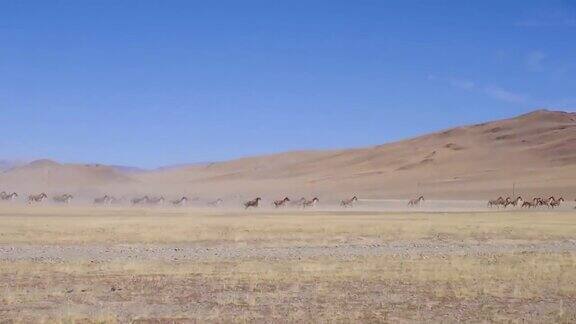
(196, 252)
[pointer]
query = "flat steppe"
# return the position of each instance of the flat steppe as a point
(87, 264)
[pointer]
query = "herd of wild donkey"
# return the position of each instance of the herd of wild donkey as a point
(159, 201)
(551, 202)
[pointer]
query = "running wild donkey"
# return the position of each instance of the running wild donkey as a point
(310, 203)
(281, 203)
(102, 200)
(252, 203)
(63, 199)
(180, 202)
(37, 198)
(416, 202)
(349, 202)
(8, 197)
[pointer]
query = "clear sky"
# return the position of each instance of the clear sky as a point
(151, 83)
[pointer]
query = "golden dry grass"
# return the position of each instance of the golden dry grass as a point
(493, 287)
(54, 225)
(381, 288)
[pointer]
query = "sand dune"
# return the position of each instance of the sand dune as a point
(535, 153)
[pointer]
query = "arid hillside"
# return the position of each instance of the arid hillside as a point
(53, 177)
(533, 153)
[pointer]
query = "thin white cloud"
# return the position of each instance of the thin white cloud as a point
(492, 91)
(549, 14)
(568, 22)
(454, 82)
(568, 103)
(534, 60)
(504, 95)
(501, 94)
(462, 84)
(562, 16)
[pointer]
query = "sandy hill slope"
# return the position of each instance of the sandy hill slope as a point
(534, 153)
(52, 177)
(531, 154)
(9, 164)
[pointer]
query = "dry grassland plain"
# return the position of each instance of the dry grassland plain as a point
(81, 264)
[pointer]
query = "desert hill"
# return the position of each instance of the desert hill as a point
(532, 153)
(54, 177)
(9, 164)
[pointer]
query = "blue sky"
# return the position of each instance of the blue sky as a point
(151, 83)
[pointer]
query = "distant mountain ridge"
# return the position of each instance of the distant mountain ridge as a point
(534, 152)
(9, 164)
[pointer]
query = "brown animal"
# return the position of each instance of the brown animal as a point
(156, 201)
(496, 203)
(8, 197)
(138, 201)
(507, 202)
(281, 203)
(553, 203)
(37, 198)
(529, 204)
(63, 199)
(542, 202)
(180, 202)
(310, 203)
(102, 200)
(517, 202)
(252, 203)
(349, 202)
(415, 202)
